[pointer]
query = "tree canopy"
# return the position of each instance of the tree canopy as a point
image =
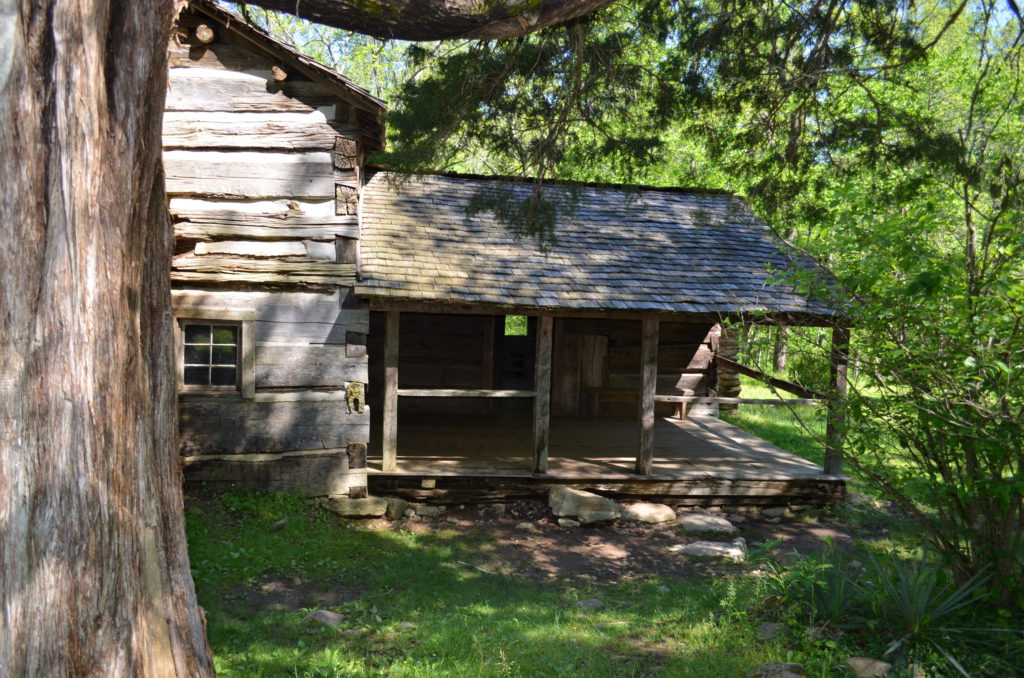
(880, 136)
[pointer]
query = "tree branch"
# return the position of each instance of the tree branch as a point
(437, 19)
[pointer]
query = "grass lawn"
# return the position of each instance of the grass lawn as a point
(800, 430)
(417, 608)
(414, 600)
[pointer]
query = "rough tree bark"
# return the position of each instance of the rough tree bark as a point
(94, 573)
(438, 19)
(780, 351)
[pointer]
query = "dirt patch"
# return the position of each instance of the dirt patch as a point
(278, 593)
(609, 552)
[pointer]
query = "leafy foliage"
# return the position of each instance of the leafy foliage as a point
(882, 137)
(939, 304)
(920, 615)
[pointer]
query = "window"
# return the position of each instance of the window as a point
(216, 349)
(210, 355)
(515, 326)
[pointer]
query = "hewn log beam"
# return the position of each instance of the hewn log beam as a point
(648, 384)
(438, 19)
(542, 397)
(835, 430)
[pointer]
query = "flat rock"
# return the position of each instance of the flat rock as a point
(866, 667)
(777, 670)
(777, 512)
(325, 617)
(590, 604)
(702, 523)
(588, 507)
(644, 512)
(736, 519)
(396, 508)
(429, 511)
(367, 507)
(736, 551)
(568, 522)
(529, 527)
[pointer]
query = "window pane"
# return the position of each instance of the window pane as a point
(222, 376)
(197, 334)
(224, 355)
(225, 334)
(197, 376)
(197, 355)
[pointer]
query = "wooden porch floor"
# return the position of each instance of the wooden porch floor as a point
(700, 460)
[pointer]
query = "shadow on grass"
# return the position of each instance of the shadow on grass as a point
(424, 609)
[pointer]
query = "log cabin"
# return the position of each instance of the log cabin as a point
(343, 329)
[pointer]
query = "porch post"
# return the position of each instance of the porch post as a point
(487, 361)
(835, 431)
(542, 394)
(649, 382)
(390, 434)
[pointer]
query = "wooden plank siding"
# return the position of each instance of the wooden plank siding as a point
(299, 344)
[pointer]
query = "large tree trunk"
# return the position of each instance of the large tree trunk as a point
(94, 572)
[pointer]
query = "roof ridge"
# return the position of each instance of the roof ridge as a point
(689, 190)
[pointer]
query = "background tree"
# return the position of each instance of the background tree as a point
(94, 574)
(882, 137)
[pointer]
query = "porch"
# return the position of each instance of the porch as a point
(697, 460)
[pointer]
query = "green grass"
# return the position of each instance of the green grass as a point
(422, 613)
(800, 430)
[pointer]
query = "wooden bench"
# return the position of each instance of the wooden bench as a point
(614, 394)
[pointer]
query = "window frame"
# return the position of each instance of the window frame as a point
(244, 319)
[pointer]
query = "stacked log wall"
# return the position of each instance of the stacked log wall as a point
(262, 171)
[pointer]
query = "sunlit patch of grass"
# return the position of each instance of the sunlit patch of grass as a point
(799, 429)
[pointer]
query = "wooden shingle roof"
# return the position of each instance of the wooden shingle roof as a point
(618, 249)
